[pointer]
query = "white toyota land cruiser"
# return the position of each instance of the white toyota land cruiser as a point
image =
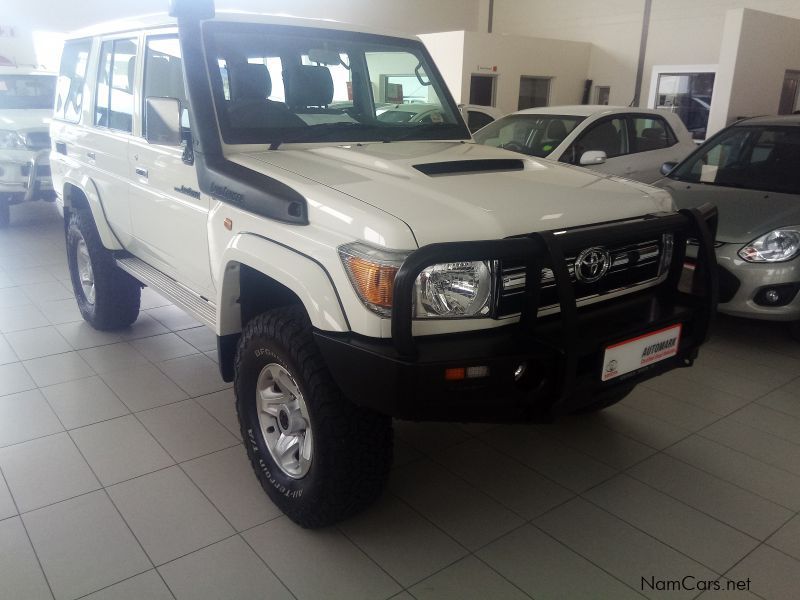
(26, 105)
(355, 269)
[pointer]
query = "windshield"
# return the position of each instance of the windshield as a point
(535, 135)
(753, 157)
(27, 91)
(276, 84)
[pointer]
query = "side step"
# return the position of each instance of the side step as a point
(197, 306)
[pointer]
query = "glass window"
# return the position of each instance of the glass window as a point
(163, 74)
(535, 135)
(607, 135)
(280, 84)
(758, 158)
(71, 77)
(114, 104)
(477, 120)
(27, 91)
(651, 133)
(534, 92)
(689, 96)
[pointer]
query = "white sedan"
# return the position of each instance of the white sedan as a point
(624, 141)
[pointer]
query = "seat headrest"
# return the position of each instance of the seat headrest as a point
(308, 85)
(556, 130)
(653, 133)
(249, 81)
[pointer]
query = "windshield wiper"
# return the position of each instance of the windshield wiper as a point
(323, 130)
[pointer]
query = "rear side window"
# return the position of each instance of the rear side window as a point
(71, 78)
(477, 119)
(114, 104)
(651, 133)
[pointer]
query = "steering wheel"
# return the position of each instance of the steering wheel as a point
(513, 146)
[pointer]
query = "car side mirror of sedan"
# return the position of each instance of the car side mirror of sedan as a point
(593, 157)
(163, 121)
(667, 167)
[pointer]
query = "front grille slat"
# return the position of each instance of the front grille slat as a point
(631, 265)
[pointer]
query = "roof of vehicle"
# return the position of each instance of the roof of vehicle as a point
(24, 70)
(584, 110)
(155, 20)
(771, 120)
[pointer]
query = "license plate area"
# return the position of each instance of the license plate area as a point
(639, 352)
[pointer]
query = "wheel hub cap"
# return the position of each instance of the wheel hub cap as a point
(283, 417)
(85, 272)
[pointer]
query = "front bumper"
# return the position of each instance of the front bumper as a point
(26, 176)
(562, 354)
(753, 279)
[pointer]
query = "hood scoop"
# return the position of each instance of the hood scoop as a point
(464, 167)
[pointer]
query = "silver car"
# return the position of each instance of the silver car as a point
(751, 172)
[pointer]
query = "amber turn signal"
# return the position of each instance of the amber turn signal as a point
(375, 282)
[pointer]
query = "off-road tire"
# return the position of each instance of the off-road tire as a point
(352, 449)
(117, 294)
(5, 212)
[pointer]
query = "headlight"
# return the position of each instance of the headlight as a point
(776, 246)
(456, 290)
(11, 140)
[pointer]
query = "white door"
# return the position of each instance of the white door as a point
(609, 135)
(169, 214)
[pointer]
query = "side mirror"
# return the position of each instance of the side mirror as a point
(667, 167)
(163, 121)
(593, 157)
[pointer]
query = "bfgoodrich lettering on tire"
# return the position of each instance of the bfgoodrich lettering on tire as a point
(318, 456)
(107, 296)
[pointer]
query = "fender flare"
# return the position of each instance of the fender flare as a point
(304, 276)
(89, 190)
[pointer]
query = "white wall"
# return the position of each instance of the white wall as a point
(447, 50)
(756, 51)
(681, 32)
(408, 16)
(514, 56)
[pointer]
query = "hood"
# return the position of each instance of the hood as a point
(25, 119)
(744, 215)
(449, 191)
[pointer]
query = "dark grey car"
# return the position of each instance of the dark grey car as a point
(751, 172)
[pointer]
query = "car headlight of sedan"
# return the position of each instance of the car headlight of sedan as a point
(11, 140)
(455, 290)
(776, 246)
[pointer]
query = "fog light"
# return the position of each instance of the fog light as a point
(475, 372)
(520, 371)
(772, 296)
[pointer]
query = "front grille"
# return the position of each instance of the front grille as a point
(37, 140)
(631, 265)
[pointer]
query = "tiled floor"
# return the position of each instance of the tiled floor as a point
(123, 475)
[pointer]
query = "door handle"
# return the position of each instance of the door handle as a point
(141, 171)
(90, 155)
(61, 148)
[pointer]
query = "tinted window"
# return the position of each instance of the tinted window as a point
(535, 135)
(476, 120)
(114, 104)
(759, 158)
(163, 74)
(71, 77)
(27, 91)
(607, 135)
(651, 133)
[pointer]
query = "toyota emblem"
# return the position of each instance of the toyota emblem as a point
(592, 264)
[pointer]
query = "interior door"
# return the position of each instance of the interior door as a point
(169, 214)
(789, 93)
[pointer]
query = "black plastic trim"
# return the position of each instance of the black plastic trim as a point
(460, 167)
(217, 176)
